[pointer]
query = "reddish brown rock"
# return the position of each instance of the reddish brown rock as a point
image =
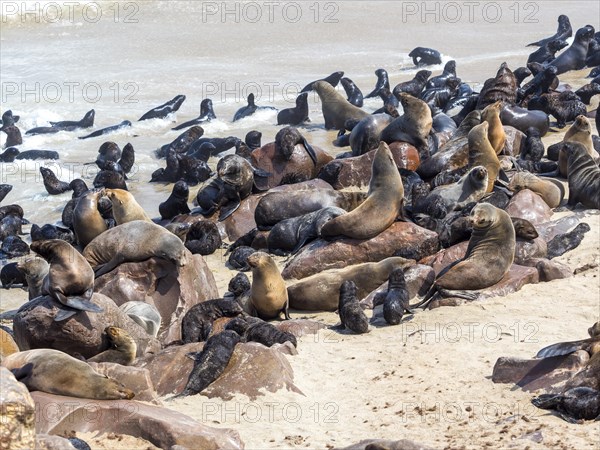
(82, 333)
(445, 257)
(402, 239)
(298, 168)
(526, 250)
(356, 171)
(160, 426)
(549, 374)
(17, 413)
(252, 369)
(549, 270)
(300, 327)
(551, 229)
(514, 138)
(172, 291)
(136, 379)
(528, 205)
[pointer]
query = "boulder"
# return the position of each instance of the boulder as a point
(552, 270)
(402, 239)
(8, 346)
(18, 413)
(300, 327)
(528, 205)
(445, 257)
(526, 250)
(156, 281)
(134, 378)
(377, 444)
(514, 138)
(48, 442)
(82, 334)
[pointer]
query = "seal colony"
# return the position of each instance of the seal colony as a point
(345, 244)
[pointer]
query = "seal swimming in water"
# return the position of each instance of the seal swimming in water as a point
(423, 56)
(269, 294)
(122, 348)
(162, 111)
(107, 130)
(52, 184)
(66, 125)
(55, 372)
(336, 109)
(383, 82)
(248, 110)
(350, 311)
(332, 79)
(70, 279)
(206, 115)
(381, 207)
(574, 57)
(354, 94)
(297, 115)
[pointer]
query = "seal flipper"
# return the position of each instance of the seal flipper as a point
(560, 349)
(311, 151)
(105, 268)
(81, 303)
(64, 314)
(229, 208)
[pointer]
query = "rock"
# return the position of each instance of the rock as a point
(514, 137)
(549, 374)
(419, 279)
(48, 442)
(552, 270)
(356, 171)
(528, 205)
(445, 257)
(18, 413)
(402, 239)
(252, 369)
(134, 378)
(298, 168)
(300, 327)
(551, 229)
(384, 444)
(8, 346)
(160, 426)
(321, 292)
(525, 250)
(156, 281)
(83, 333)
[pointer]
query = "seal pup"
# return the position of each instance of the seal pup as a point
(107, 130)
(134, 241)
(580, 132)
(383, 82)
(211, 362)
(350, 311)
(70, 279)
(269, 294)
(206, 115)
(396, 301)
(489, 255)
(354, 94)
(439, 81)
(55, 372)
(162, 111)
(532, 148)
(565, 107)
(294, 116)
(87, 220)
(563, 32)
(574, 405)
(125, 208)
(249, 109)
(122, 348)
(336, 109)
(332, 79)
(413, 87)
(176, 203)
(35, 271)
(144, 314)
(197, 323)
(423, 56)
(574, 57)
(563, 243)
(201, 150)
(203, 238)
(253, 329)
(546, 52)
(66, 125)
(52, 184)
(585, 93)
(381, 207)
(10, 275)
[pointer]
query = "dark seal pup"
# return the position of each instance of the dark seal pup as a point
(354, 94)
(574, 406)
(107, 130)
(206, 115)
(383, 82)
(350, 311)
(332, 79)
(583, 175)
(563, 32)
(248, 110)
(257, 330)
(197, 322)
(423, 56)
(396, 301)
(52, 184)
(162, 111)
(176, 203)
(294, 116)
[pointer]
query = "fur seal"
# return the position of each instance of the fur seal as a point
(34, 270)
(524, 229)
(144, 314)
(8, 119)
(395, 300)
(413, 87)
(13, 136)
(574, 57)
(125, 208)
(203, 238)
(12, 153)
(584, 176)
(383, 82)
(413, 126)
(70, 279)
(111, 177)
(552, 192)
(585, 93)
(253, 329)
(423, 56)
(546, 52)
(489, 255)
(269, 294)
(382, 206)
(211, 362)
(87, 221)
(580, 132)
(523, 119)
(132, 242)
(239, 258)
(13, 247)
(162, 111)
(4, 191)
(350, 311)
(365, 136)
(354, 94)
(122, 348)
(290, 235)
(332, 79)
(182, 143)
(563, 32)
(573, 405)
(176, 203)
(297, 115)
(502, 87)
(65, 125)
(10, 275)
(240, 287)
(55, 372)
(562, 243)
(481, 153)
(206, 115)
(565, 107)
(107, 130)
(496, 133)
(440, 80)
(52, 184)
(249, 109)
(336, 109)
(532, 148)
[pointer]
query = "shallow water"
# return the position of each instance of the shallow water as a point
(125, 58)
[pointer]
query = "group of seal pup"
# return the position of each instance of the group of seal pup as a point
(466, 175)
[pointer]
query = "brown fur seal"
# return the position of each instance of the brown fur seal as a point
(413, 126)
(551, 191)
(581, 132)
(590, 345)
(481, 153)
(584, 176)
(489, 255)
(87, 221)
(125, 208)
(70, 278)
(35, 270)
(496, 133)
(132, 242)
(122, 348)
(55, 372)
(336, 109)
(268, 294)
(8, 346)
(382, 206)
(470, 188)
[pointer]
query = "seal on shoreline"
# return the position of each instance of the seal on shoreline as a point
(176, 203)
(481, 153)
(423, 56)
(294, 116)
(332, 79)
(52, 184)
(573, 405)
(122, 351)
(563, 32)
(413, 87)
(125, 208)
(413, 126)
(336, 109)
(350, 311)
(551, 191)
(354, 94)
(584, 176)
(269, 294)
(383, 82)
(574, 57)
(87, 221)
(197, 323)
(496, 133)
